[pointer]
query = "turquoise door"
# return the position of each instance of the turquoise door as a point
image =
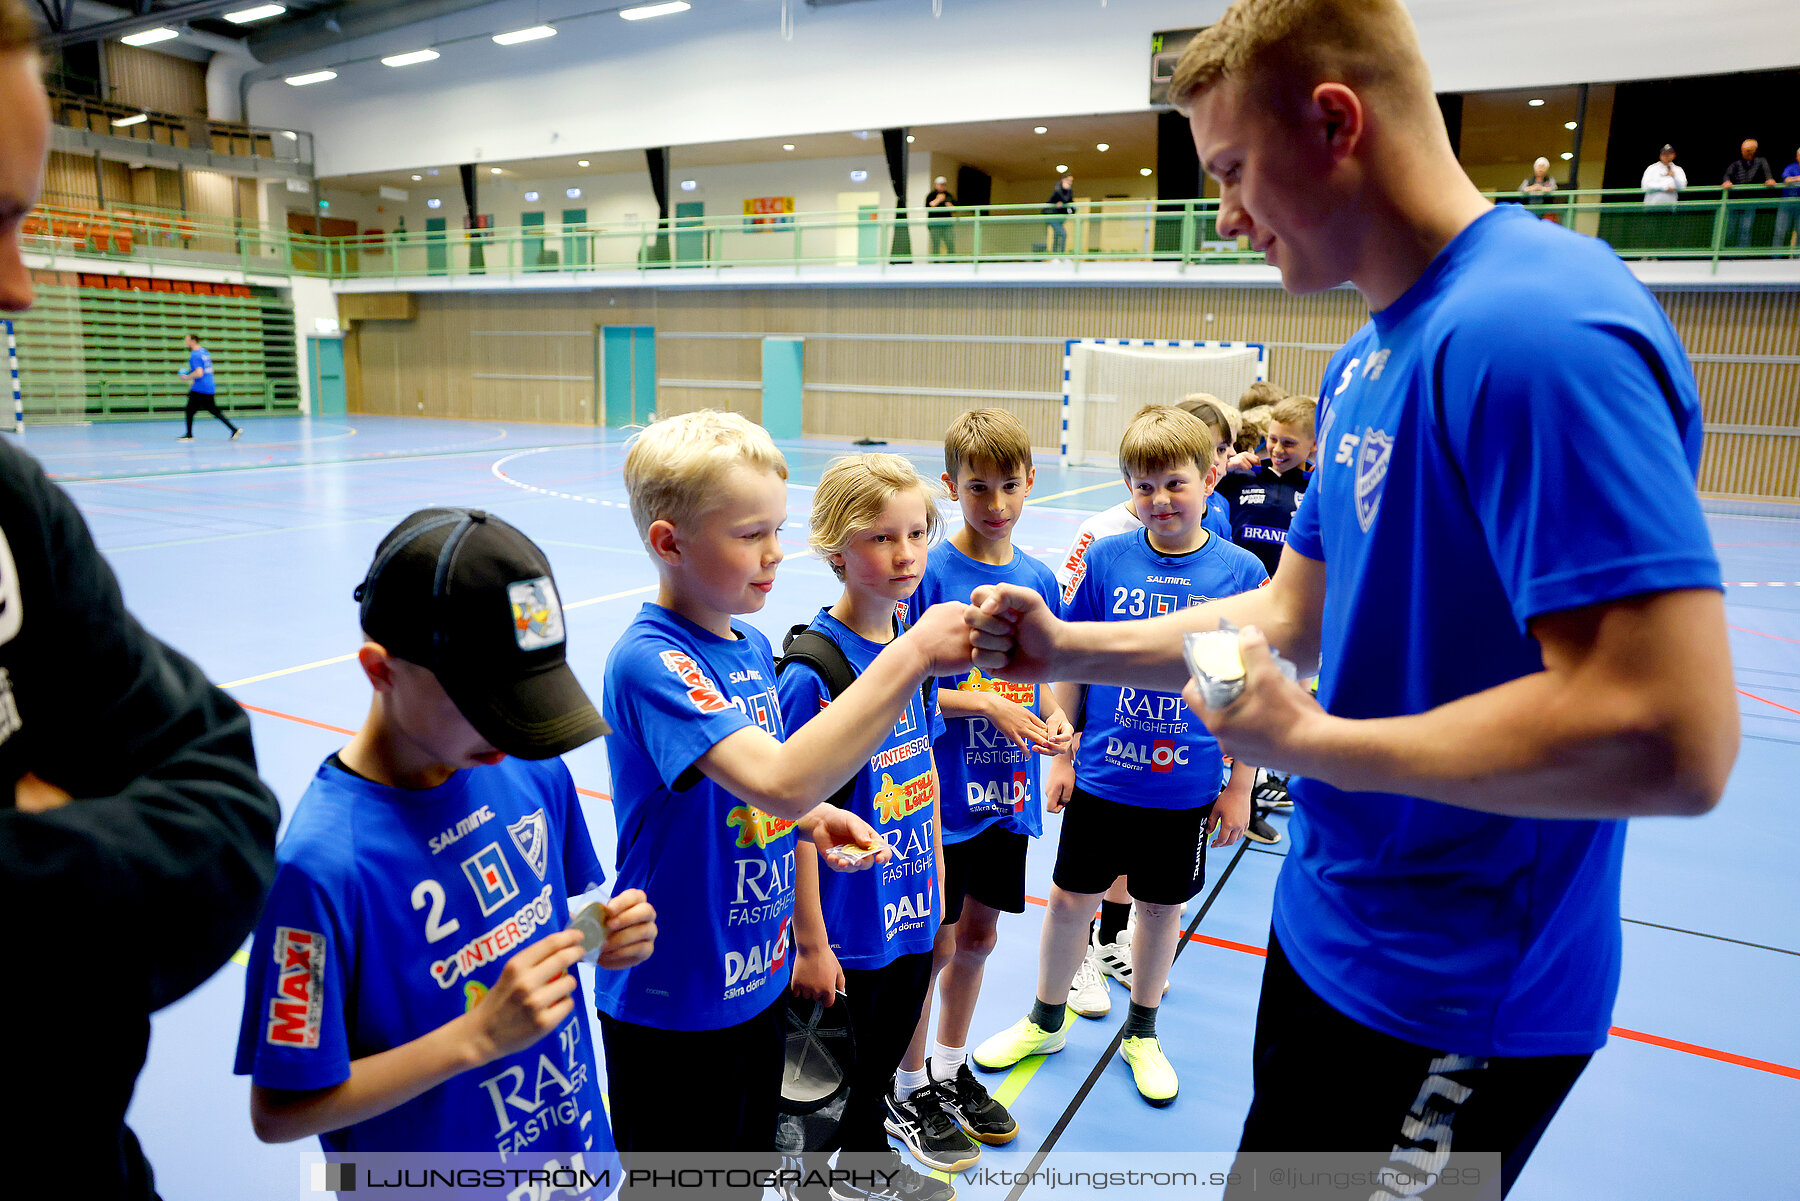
(327, 376)
(533, 254)
(575, 246)
(627, 375)
(690, 247)
(868, 235)
(437, 252)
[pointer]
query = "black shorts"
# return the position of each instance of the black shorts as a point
(1325, 1082)
(1160, 852)
(989, 867)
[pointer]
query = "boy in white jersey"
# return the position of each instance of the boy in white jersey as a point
(709, 798)
(1147, 773)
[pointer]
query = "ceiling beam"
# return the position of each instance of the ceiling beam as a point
(174, 15)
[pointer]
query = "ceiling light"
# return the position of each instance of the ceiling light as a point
(688, 185)
(493, 170)
(1062, 168)
(655, 10)
(1567, 155)
(534, 34)
(1535, 103)
(246, 15)
(122, 122)
(581, 162)
(150, 37)
(300, 81)
(434, 203)
(531, 197)
(416, 178)
(858, 176)
(1144, 171)
(1103, 147)
(910, 139)
(1568, 125)
(787, 145)
(572, 193)
(1041, 129)
(290, 135)
(409, 58)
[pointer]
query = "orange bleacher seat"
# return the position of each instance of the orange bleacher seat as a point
(160, 285)
(93, 281)
(117, 283)
(201, 289)
(184, 287)
(122, 239)
(138, 283)
(241, 291)
(34, 226)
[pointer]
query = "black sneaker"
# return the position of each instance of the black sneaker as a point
(929, 1132)
(1271, 791)
(980, 1116)
(1259, 830)
(884, 1176)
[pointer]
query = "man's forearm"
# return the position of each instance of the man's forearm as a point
(1147, 654)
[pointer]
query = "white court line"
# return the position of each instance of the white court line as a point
(288, 671)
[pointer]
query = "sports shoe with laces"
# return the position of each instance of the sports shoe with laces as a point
(1115, 957)
(1259, 830)
(1271, 791)
(234, 435)
(884, 1176)
(1021, 1039)
(1150, 1069)
(929, 1131)
(967, 1100)
(1088, 993)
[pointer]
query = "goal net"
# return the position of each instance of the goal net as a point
(1106, 382)
(12, 403)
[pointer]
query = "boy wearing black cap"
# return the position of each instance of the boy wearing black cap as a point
(412, 962)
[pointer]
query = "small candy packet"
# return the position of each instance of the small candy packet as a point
(1217, 664)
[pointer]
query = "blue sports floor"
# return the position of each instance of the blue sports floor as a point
(244, 555)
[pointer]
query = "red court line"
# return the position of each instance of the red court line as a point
(1765, 700)
(1760, 634)
(1655, 1040)
(307, 721)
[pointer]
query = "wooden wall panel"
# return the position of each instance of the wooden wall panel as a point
(155, 81)
(901, 362)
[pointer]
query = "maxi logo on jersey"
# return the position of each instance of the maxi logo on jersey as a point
(490, 947)
(897, 801)
(1023, 694)
(490, 877)
(1077, 566)
(701, 692)
(756, 828)
(299, 988)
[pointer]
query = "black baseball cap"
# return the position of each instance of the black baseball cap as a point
(471, 599)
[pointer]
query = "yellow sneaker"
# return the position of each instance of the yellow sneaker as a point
(1019, 1040)
(1150, 1069)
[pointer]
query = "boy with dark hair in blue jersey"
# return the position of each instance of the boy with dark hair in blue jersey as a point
(710, 800)
(1516, 652)
(203, 390)
(1147, 774)
(987, 761)
(410, 987)
(1264, 499)
(869, 936)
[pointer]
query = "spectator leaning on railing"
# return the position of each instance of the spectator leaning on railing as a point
(1788, 214)
(1663, 180)
(1747, 170)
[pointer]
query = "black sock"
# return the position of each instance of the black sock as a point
(1048, 1018)
(1140, 1021)
(1113, 916)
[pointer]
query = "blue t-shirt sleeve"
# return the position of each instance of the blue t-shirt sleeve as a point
(801, 691)
(1525, 425)
(934, 720)
(581, 865)
(293, 1033)
(671, 708)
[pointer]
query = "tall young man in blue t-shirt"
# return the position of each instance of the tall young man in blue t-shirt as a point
(1517, 652)
(202, 388)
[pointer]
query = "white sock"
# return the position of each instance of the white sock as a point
(907, 1083)
(947, 1061)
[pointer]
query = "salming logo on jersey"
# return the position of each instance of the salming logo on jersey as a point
(756, 828)
(1023, 694)
(702, 692)
(299, 988)
(896, 801)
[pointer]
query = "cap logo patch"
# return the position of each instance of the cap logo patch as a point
(537, 614)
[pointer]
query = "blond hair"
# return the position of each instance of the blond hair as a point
(16, 30)
(1253, 428)
(1260, 394)
(1279, 50)
(1162, 438)
(1219, 417)
(993, 437)
(673, 466)
(853, 492)
(1296, 412)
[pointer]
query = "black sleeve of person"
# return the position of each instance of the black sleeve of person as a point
(172, 834)
(803, 644)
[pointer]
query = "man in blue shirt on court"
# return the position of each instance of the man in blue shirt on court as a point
(202, 389)
(1515, 651)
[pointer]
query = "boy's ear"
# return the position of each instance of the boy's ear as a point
(949, 483)
(1030, 479)
(377, 665)
(663, 542)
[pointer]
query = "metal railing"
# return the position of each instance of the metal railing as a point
(185, 131)
(1181, 233)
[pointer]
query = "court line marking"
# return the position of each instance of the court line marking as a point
(1074, 492)
(1761, 634)
(1765, 700)
(1636, 921)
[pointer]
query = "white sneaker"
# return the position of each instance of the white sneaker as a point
(1089, 995)
(1115, 957)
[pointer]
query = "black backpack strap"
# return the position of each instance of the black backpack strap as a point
(804, 644)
